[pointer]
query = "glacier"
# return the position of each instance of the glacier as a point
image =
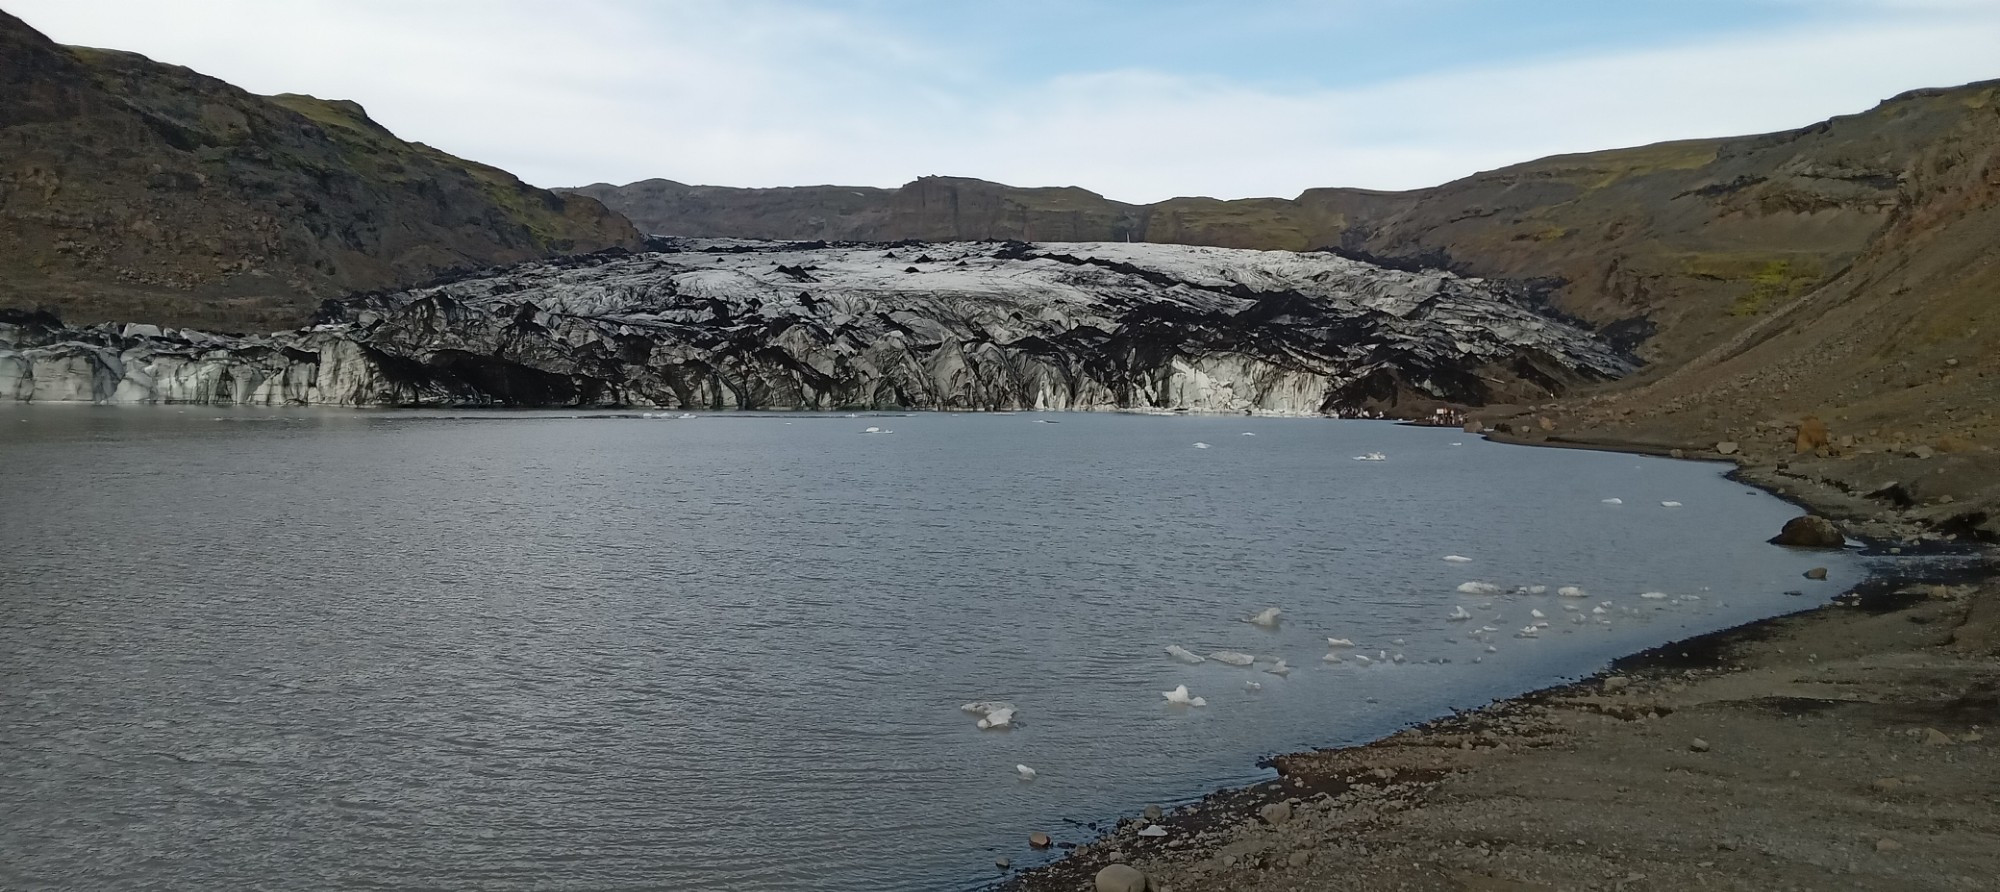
(732, 324)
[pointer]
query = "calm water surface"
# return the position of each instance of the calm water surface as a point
(397, 650)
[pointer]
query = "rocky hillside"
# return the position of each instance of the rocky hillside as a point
(133, 190)
(1889, 373)
(1679, 245)
(967, 325)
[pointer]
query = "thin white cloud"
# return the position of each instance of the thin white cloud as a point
(767, 93)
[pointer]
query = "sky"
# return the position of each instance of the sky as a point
(1140, 100)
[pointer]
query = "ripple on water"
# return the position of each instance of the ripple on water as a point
(405, 650)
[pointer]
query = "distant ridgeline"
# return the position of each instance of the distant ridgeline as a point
(968, 325)
(1675, 245)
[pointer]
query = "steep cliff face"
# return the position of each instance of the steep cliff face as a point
(135, 190)
(969, 325)
(1679, 245)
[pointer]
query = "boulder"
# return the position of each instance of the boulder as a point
(1812, 435)
(1474, 427)
(1727, 447)
(1810, 531)
(1276, 813)
(1122, 878)
(1816, 573)
(1153, 813)
(1038, 839)
(1698, 745)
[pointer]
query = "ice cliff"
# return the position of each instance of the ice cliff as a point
(971, 325)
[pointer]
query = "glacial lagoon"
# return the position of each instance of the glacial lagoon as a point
(592, 651)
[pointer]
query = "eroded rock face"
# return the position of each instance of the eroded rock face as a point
(968, 325)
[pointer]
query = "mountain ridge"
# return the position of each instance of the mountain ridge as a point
(133, 189)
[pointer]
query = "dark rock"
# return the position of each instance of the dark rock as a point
(1810, 531)
(1816, 573)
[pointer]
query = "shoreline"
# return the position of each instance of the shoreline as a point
(1441, 805)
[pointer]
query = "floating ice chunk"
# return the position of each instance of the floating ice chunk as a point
(1268, 618)
(1279, 668)
(1459, 614)
(1183, 654)
(1571, 591)
(1339, 642)
(1396, 658)
(1598, 611)
(1537, 614)
(1478, 588)
(983, 707)
(1670, 504)
(1360, 659)
(1458, 559)
(1331, 657)
(1027, 774)
(1527, 632)
(1153, 830)
(1653, 596)
(1179, 697)
(1232, 657)
(999, 718)
(1252, 686)
(1371, 456)
(1614, 501)
(1538, 589)
(1248, 434)
(1201, 445)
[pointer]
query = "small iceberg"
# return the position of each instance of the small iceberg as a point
(1027, 774)
(1458, 559)
(1528, 632)
(1459, 614)
(992, 713)
(1571, 591)
(1339, 642)
(1184, 655)
(1478, 588)
(1248, 434)
(1653, 596)
(1232, 658)
(1179, 697)
(1614, 501)
(1201, 445)
(1268, 618)
(1331, 657)
(1670, 504)
(1278, 669)
(1371, 456)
